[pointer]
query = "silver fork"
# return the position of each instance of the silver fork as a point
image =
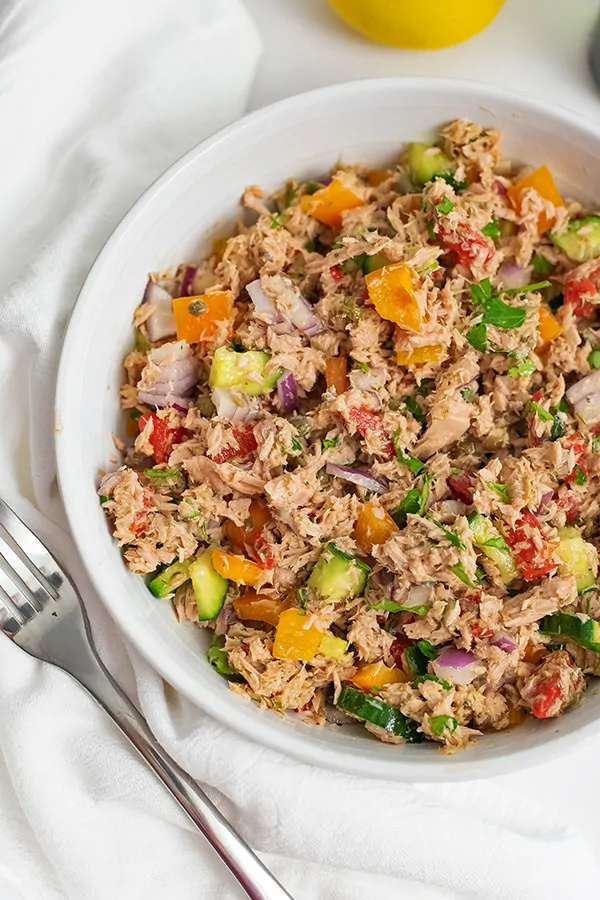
(41, 610)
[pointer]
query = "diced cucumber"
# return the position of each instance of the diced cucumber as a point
(170, 578)
(575, 554)
(210, 588)
(491, 543)
(372, 709)
(338, 575)
(583, 630)
(580, 240)
(374, 262)
(333, 647)
(426, 162)
(415, 663)
(218, 658)
(243, 371)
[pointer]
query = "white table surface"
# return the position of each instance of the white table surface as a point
(538, 46)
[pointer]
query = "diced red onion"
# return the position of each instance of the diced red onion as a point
(504, 641)
(266, 310)
(419, 595)
(292, 305)
(169, 376)
(455, 665)
(226, 618)
(108, 484)
(186, 281)
(513, 276)
(361, 477)
(499, 187)
(287, 391)
(585, 397)
(161, 322)
(180, 408)
(236, 408)
(545, 500)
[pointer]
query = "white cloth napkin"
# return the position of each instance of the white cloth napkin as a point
(96, 99)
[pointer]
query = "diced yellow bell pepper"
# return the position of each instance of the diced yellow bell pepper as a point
(198, 318)
(236, 568)
(328, 204)
(377, 675)
(333, 647)
(294, 638)
(548, 325)
(391, 290)
(259, 608)
(543, 183)
(434, 353)
(374, 525)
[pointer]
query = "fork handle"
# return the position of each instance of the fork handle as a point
(252, 875)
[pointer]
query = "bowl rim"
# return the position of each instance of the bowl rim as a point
(248, 723)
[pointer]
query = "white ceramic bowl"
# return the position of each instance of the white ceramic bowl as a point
(175, 220)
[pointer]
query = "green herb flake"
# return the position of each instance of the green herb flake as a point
(467, 394)
(558, 428)
(360, 365)
(541, 265)
(415, 503)
(522, 369)
(526, 289)
(422, 678)
(481, 291)
(276, 221)
(296, 446)
(497, 542)
(328, 443)
(135, 414)
(393, 607)
(311, 187)
(594, 359)
(542, 413)
(413, 407)
(580, 476)
(451, 535)
(500, 489)
(459, 570)
(596, 443)
(492, 229)
(445, 205)
(497, 312)
(561, 406)
(427, 649)
(477, 337)
(440, 723)
(102, 499)
(431, 231)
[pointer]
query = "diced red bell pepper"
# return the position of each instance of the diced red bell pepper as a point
(401, 643)
(246, 444)
(263, 553)
(336, 272)
(368, 421)
(468, 244)
(577, 290)
(479, 630)
(533, 561)
(163, 436)
(570, 506)
(462, 487)
(548, 692)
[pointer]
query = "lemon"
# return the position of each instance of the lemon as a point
(419, 24)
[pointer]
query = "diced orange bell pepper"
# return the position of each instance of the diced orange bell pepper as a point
(336, 373)
(377, 176)
(434, 353)
(534, 653)
(373, 526)
(549, 326)
(543, 183)
(391, 291)
(293, 639)
(259, 608)
(198, 318)
(328, 204)
(246, 535)
(236, 568)
(377, 675)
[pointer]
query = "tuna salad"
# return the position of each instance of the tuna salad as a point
(363, 445)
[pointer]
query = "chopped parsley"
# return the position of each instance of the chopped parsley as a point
(445, 205)
(413, 407)
(497, 312)
(501, 490)
(596, 443)
(431, 231)
(311, 187)
(411, 462)
(422, 678)
(451, 535)
(296, 447)
(315, 245)
(360, 365)
(328, 443)
(459, 570)
(525, 367)
(492, 229)
(427, 648)
(527, 288)
(440, 723)
(497, 542)
(541, 265)
(103, 499)
(449, 178)
(580, 476)
(558, 428)
(561, 406)
(392, 606)
(542, 413)
(482, 291)
(594, 359)
(135, 414)
(477, 337)
(467, 393)
(415, 503)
